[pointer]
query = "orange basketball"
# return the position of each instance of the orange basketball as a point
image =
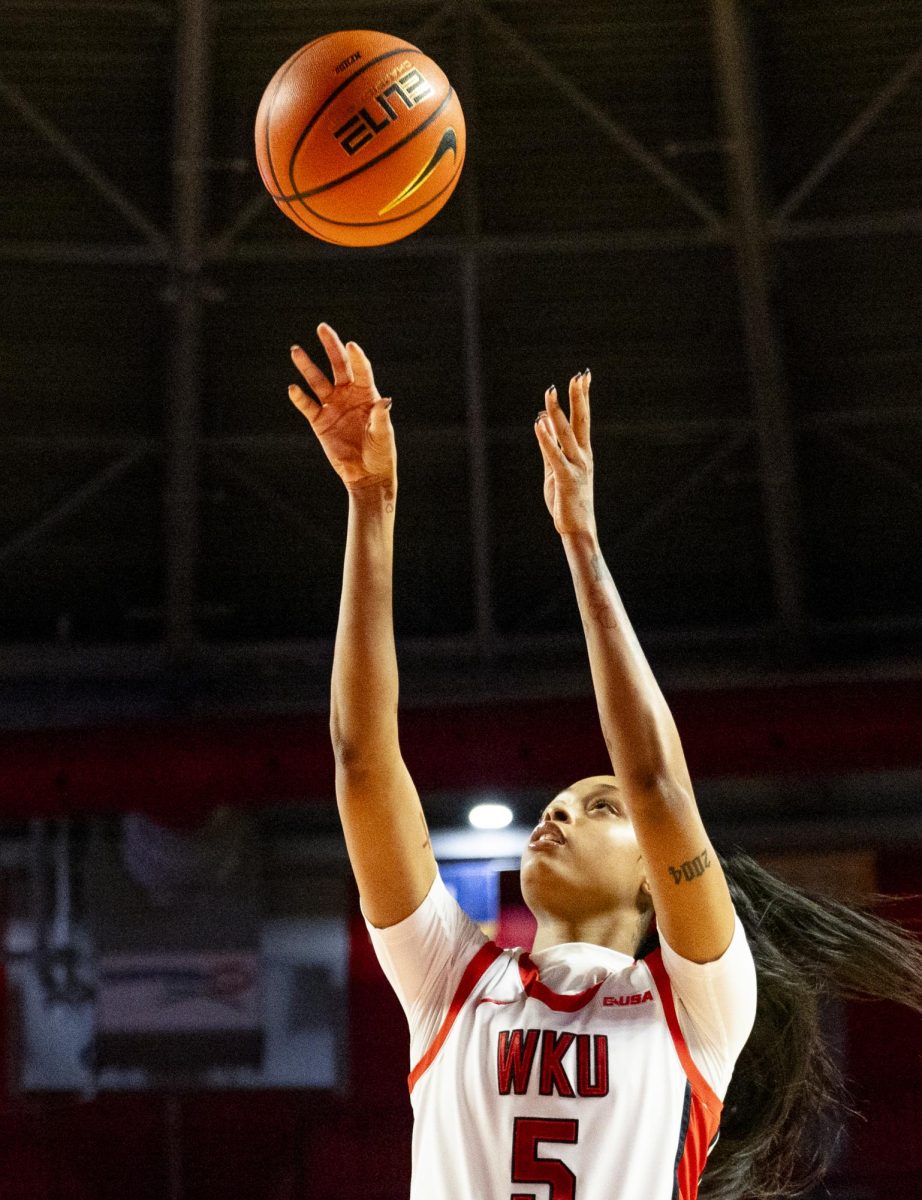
(360, 138)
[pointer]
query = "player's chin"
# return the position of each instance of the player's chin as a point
(534, 853)
(543, 864)
(537, 880)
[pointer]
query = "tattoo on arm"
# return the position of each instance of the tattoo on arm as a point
(600, 609)
(599, 601)
(691, 869)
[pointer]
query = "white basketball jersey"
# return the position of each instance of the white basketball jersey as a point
(524, 1092)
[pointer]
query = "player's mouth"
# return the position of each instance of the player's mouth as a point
(546, 834)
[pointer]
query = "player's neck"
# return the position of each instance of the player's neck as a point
(620, 931)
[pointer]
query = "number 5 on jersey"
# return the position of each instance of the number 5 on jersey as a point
(527, 1167)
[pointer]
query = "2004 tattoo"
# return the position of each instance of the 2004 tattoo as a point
(691, 869)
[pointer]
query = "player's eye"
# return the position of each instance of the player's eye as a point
(606, 804)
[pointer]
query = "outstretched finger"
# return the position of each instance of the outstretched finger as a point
(579, 407)
(553, 455)
(361, 367)
(548, 467)
(305, 404)
(336, 353)
(313, 376)
(560, 423)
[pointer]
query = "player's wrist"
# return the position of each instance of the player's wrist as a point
(581, 539)
(373, 494)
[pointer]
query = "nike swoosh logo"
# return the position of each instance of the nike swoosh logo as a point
(448, 142)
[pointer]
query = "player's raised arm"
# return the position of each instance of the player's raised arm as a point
(690, 894)
(382, 817)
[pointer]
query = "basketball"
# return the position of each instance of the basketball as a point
(360, 138)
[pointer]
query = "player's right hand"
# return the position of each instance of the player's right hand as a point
(567, 456)
(349, 417)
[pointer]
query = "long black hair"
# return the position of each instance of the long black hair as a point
(785, 1106)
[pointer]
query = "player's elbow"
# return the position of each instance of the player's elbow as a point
(358, 751)
(658, 794)
(347, 750)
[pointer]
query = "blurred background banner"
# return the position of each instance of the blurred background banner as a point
(176, 929)
(714, 204)
(157, 998)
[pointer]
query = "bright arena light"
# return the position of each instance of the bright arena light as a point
(490, 816)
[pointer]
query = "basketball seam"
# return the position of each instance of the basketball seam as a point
(390, 220)
(302, 223)
(294, 58)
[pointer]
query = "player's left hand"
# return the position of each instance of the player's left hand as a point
(567, 458)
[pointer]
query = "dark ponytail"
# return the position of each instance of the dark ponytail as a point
(786, 1103)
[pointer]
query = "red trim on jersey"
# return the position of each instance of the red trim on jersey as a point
(706, 1106)
(700, 1086)
(558, 1001)
(702, 1128)
(488, 953)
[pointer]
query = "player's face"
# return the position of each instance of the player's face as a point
(582, 860)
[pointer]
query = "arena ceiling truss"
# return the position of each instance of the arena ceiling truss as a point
(716, 204)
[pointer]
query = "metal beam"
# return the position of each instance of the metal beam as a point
(77, 444)
(63, 146)
(850, 136)
(868, 457)
(181, 500)
(477, 442)
(275, 503)
(857, 225)
(88, 253)
(487, 245)
(685, 487)
(886, 414)
(735, 73)
(70, 504)
(613, 129)
(478, 455)
(330, 8)
(263, 663)
(158, 13)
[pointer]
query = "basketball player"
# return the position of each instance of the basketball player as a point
(597, 1066)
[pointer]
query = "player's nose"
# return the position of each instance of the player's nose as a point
(557, 811)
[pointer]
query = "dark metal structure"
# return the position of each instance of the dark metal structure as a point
(717, 204)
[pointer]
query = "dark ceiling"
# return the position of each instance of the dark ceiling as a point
(722, 217)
